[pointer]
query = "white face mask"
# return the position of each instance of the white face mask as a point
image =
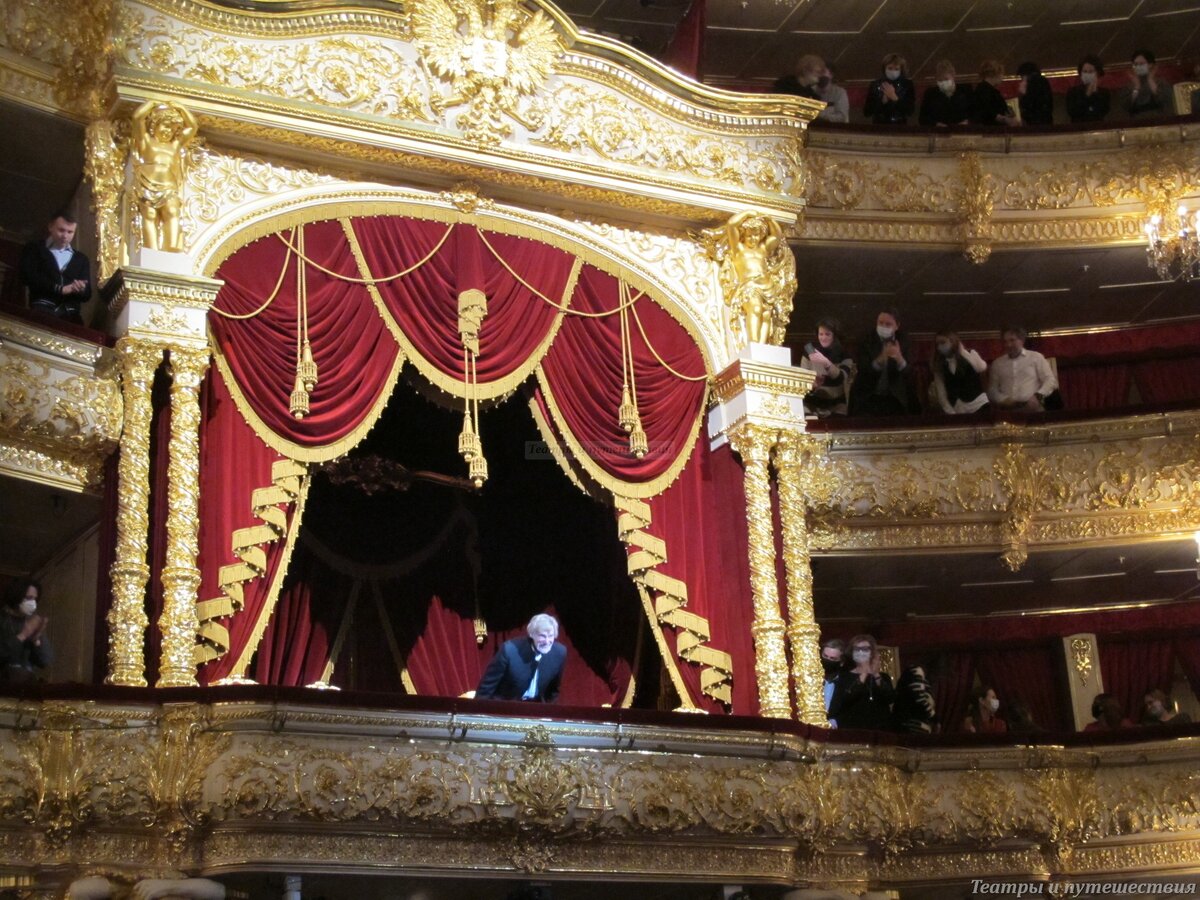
(1141, 70)
(1087, 77)
(892, 74)
(28, 607)
(993, 704)
(862, 656)
(946, 86)
(885, 333)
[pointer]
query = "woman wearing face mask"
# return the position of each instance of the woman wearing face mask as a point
(892, 98)
(23, 642)
(947, 102)
(883, 383)
(1087, 101)
(1161, 711)
(957, 376)
(1147, 93)
(863, 695)
(1036, 98)
(834, 368)
(983, 718)
(988, 104)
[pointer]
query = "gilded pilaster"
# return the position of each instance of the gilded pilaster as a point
(794, 463)
(180, 577)
(754, 444)
(127, 618)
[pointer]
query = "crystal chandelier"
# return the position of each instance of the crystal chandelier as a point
(1173, 247)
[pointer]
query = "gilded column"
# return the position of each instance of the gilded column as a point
(754, 444)
(793, 462)
(180, 576)
(127, 618)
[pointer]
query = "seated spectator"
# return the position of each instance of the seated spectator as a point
(1147, 93)
(1160, 710)
(1021, 379)
(1087, 101)
(803, 82)
(834, 368)
(914, 711)
(883, 381)
(988, 104)
(947, 102)
(862, 697)
(983, 718)
(23, 642)
(1106, 710)
(892, 98)
(1020, 720)
(837, 101)
(832, 651)
(957, 375)
(1036, 98)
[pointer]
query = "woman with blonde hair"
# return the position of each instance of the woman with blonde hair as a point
(892, 98)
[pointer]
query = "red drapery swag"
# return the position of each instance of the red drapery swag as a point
(1028, 675)
(1132, 668)
(356, 332)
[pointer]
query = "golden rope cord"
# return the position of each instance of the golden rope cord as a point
(270, 299)
(661, 361)
(372, 281)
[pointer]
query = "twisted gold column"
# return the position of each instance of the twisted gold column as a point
(180, 576)
(127, 618)
(793, 462)
(754, 444)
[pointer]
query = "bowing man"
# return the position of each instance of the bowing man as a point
(528, 668)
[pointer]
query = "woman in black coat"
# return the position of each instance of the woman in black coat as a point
(863, 695)
(892, 98)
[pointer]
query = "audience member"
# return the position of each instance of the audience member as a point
(947, 102)
(526, 668)
(863, 695)
(883, 381)
(1020, 720)
(832, 651)
(803, 82)
(983, 718)
(1087, 101)
(914, 711)
(24, 645)
(834, 368)
(57, 276)
(892, 98)
(957, 375)
(1159, 710)
(1021, 379)
(1036, 98)
(837, 101)
(1147, 94)
(990, 107)
(1106, 710)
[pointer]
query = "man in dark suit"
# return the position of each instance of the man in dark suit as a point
(57, 275)
(528, 668)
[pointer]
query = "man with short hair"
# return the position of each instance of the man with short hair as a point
(832, 651)
(528, 668)
(57, 276)
(1021, 379)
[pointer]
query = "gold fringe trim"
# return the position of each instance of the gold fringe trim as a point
(608, 262)
(639, 489)
(291, 449)
(451, 384)
(556, 451)
(336, 650)
(289, 485)
(670, 598)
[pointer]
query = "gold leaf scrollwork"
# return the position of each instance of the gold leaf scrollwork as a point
(1081, 658)
(976, 199)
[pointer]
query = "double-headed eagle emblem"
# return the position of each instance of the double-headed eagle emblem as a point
(494, 53)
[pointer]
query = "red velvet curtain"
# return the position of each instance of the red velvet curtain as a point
(1099, 386)
(1133, 667)
(1168, 380)
(1187, 651)
(1029, 675)
(160, 440)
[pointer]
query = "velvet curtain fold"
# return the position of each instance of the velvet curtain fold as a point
(1134, 667)
(1187, 652)
(1029, 675)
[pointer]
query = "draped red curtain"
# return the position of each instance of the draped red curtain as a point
(1100, 386)
(1133, 667)
(160, 440)
(1187, 651)
(1029, 675)
(1168, 380)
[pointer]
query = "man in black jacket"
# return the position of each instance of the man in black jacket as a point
(528, 668)
(57, 276)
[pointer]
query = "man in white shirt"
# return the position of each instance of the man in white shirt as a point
(1021, 379)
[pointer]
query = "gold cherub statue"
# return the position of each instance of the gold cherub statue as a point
(757, 274)
(161, 133)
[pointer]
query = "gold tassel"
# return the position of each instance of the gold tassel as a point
(307, 367)
(468, 440)
(478, 470)
(472, 307)
(638, 445)
(480, 624)
(299, 404)
(627, 414)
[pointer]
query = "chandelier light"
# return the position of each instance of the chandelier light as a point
(1173, 248)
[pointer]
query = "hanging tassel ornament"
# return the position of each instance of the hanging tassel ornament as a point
(627, 414)
(306, 365)
(299, 402)
(468, 440)
(307, 369)
(472, 307)
(478, 470)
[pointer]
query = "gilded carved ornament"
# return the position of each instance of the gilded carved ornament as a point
(1081, 659)
(757, 273)
(159, 136)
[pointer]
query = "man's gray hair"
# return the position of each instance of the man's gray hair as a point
(540, 621)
